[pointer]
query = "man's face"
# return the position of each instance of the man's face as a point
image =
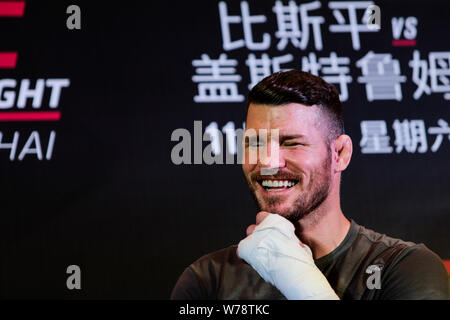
(301, 162)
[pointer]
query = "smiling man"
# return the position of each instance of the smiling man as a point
(302, 246)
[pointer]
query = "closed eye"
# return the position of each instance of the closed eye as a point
(293, 144)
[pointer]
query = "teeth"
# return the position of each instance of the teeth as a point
(277, 183)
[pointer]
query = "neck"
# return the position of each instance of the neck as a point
(323, 229)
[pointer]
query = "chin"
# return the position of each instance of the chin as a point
(278, 209)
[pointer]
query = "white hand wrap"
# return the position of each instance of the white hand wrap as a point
(275, 253)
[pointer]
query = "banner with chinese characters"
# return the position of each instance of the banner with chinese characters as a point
(119, 126)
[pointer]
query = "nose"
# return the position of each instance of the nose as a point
(270, 159)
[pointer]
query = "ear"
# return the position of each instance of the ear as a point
(342, 149)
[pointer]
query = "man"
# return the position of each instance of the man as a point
(302, 246)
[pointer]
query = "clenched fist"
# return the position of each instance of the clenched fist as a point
(274, 251)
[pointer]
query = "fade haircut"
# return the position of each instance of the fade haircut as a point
(296, 86)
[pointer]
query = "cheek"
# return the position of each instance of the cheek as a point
(300, 160)
(249, 159)
(305, 164)
(247, 168)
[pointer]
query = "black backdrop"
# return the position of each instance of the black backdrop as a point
(111, 200)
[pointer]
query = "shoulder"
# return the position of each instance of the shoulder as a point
(212, 267)
(216, 258)
(201, 278)
(223, 275)
(417, 273)
(382, 240)
(383, 249)
(410, 270)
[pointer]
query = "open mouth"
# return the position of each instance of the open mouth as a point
(277, 184)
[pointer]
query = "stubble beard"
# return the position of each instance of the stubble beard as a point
(307, 201)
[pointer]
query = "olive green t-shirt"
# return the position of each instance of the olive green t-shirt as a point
(405, 271)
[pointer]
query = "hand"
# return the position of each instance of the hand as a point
(259, 218)
(274, 251)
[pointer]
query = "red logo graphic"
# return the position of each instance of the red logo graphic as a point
(447, 265)
(12, 8)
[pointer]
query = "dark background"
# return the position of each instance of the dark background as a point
(111, 200)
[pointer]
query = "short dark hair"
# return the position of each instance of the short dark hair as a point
(295, 86)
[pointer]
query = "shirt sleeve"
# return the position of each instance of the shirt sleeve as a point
(419, 274)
